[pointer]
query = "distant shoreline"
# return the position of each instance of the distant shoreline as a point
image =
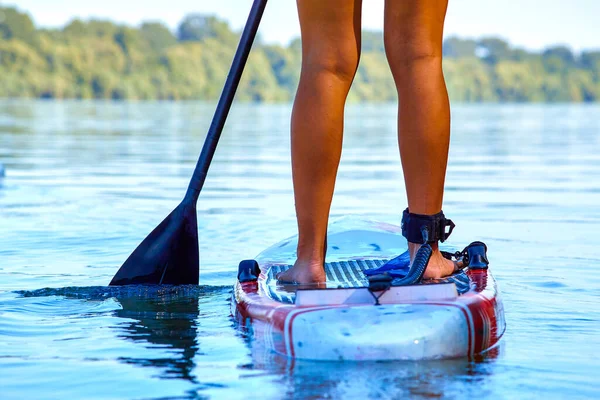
(98, 59)
(213, 102)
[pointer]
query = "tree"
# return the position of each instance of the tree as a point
(128, 39)
(561, 52)
(285, 65)
(456, 47)
(199, 27)
(493, 49)
(372, 41)
(102, 28)
(76, 28)
(590, 60)
(95, 27)
(17, 25)
(158, 36)
(557, 59)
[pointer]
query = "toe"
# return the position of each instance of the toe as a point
(285, 277)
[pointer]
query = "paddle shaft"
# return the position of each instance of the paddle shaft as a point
(227, 95)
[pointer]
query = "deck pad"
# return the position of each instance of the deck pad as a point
(344, 275)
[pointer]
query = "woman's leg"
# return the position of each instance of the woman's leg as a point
(330, 52)
(413, 44)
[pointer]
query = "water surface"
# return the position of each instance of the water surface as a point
(86, 181)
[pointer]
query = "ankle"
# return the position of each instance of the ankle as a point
(310, 257)
(414, 247)
(311, 252)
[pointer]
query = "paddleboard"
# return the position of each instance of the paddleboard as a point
(459, 316)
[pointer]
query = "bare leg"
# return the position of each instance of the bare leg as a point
(413, 43)
(330, 52)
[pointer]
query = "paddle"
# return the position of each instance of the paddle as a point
(169, 254)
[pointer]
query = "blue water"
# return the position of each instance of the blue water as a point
(86, 181)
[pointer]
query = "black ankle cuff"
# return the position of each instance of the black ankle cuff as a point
(419, 228)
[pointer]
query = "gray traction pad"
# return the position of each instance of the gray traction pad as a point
(348, 274)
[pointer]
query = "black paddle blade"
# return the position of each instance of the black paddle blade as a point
(169, 255)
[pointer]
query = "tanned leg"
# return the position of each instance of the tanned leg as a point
(413, 43)
(330, 32)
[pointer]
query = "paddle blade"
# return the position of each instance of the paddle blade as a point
(168, 255)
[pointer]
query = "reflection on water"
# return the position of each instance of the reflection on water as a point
(165, 320)
(164, 323)
(383, 380)
(85, 182)
(405, 379)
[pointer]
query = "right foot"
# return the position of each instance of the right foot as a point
(438, 266)
(304, 272)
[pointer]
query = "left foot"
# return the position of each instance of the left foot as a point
(304, 272)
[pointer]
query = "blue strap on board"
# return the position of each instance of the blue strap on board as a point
(397, 267)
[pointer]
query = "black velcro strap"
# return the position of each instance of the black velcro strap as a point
(419, 228)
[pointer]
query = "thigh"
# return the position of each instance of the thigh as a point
(414, 28)
(330, 31)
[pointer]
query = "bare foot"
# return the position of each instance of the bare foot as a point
(304, 272)
(438, 267)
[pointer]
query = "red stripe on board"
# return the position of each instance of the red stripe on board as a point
(470, 333)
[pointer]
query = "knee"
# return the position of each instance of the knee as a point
(336, 62)
(407, 51)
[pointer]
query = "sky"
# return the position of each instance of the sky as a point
(532, 24)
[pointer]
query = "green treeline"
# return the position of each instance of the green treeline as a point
(102, 60)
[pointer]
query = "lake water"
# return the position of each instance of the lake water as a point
(85, 182)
